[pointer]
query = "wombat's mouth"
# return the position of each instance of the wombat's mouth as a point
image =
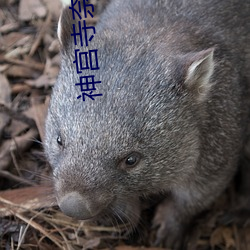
(121, 220)
(119, 212)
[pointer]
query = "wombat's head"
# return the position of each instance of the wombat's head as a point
(139, 138)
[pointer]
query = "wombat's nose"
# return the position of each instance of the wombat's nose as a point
(74, 205)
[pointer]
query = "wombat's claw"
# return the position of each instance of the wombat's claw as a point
(167, 238)
(170, 231)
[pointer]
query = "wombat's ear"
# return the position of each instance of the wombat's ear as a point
(65, 27)
(200, 67)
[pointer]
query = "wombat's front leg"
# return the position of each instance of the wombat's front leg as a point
(171, 224)
(174, 215)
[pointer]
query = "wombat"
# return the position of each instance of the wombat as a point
(172, 116)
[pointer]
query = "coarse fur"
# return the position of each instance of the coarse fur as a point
(174, 76)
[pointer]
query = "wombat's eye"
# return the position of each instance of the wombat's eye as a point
(132, 160)
(59, 140)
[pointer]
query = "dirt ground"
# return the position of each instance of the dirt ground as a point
(29, 217)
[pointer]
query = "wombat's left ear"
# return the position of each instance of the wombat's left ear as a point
(200, 67)
(65, 27)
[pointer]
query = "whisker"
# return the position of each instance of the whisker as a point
(36, 140)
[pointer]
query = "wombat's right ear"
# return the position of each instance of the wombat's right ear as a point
(65, 27)
(200, 67)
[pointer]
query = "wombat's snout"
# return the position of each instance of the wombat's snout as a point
(74, 205)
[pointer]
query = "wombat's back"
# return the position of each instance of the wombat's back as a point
(225, 21)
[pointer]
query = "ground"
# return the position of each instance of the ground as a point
(29, 217)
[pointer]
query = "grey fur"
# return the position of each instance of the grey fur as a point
(189, 135)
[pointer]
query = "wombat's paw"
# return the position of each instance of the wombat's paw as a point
(170, 230)
(166, 237)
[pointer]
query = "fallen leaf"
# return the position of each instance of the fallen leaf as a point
(19, 144)
(29, 9)
(22, 199)
(228, 237)
(21, 71)
(5, 95)
(54, 7)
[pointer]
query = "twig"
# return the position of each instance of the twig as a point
(32, 65)
(41, 34)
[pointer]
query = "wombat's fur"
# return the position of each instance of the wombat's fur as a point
(174, 76)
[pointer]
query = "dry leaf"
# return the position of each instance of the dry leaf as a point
(5, 100)
(22, 199)
(54, 7)
(29, 9)
(9, 41)
(22, 71)
(19, 144)
(228, 237)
